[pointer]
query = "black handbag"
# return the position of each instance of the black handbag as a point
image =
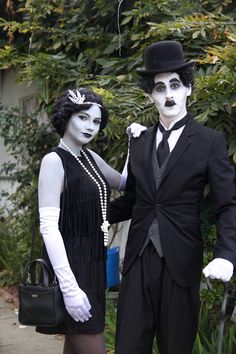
(40, 297)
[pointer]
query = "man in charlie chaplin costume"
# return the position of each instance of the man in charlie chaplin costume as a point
(169, 167)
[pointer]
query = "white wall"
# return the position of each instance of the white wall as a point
(12, 93)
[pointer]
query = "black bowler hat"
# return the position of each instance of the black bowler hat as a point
(164, 56)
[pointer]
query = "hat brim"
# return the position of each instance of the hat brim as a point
(144, 72)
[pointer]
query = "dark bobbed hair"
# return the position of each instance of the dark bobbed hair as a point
(64, 108)
(146, 83)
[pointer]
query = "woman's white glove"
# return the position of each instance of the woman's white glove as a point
(135, 129)
(75, 299)
(220, 269)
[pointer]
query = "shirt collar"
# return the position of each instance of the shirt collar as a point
(171, 124)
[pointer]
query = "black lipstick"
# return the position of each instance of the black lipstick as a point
(87, 135)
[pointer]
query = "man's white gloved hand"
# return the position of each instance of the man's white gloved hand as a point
(135, 129)
(75, 299)
(220, 269)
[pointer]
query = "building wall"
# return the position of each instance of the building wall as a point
(12, 94)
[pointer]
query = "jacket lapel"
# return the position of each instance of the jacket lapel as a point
(182, 144)
(146, 144)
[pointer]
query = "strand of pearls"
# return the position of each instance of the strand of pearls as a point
(102, 191)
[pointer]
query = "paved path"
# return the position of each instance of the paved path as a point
(17, 339)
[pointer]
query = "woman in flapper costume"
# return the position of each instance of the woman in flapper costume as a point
(74, 190)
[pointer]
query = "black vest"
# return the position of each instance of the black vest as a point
(153, 234)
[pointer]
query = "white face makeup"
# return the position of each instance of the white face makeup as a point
(170, 96)
(83, 126)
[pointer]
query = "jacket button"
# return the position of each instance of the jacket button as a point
(158, 206)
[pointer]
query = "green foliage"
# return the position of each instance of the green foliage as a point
(206, 340)
(15, 247)
(28, 139)
(110, 327)
(77, 43)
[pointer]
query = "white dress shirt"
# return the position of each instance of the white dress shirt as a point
(174, 135)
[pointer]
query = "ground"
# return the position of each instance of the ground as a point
(18, 339)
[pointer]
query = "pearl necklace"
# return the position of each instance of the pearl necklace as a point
(102, 192)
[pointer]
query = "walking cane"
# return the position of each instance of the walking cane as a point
(222, 318)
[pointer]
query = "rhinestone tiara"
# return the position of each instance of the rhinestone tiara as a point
(77, 98)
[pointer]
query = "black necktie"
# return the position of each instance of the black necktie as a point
(163, 149)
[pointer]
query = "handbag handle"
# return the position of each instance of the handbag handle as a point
(47, 277)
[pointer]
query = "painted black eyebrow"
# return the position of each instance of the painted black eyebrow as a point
(159, 82)
(175, 80)
(162, 83)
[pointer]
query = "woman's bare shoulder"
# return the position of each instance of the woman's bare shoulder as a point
(52, 159)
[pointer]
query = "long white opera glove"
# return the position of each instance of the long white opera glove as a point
(220, 269)
(75, 299)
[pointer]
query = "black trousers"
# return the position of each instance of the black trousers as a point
(151, 303)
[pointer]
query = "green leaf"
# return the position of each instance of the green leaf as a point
(126, 20)
(57, 45)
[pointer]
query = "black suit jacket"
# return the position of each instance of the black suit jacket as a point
(199, 157)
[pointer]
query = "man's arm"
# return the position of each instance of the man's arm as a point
(222, 184)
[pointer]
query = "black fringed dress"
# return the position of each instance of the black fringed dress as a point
(80, 226)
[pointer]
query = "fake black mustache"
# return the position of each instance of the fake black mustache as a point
(170, 103)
